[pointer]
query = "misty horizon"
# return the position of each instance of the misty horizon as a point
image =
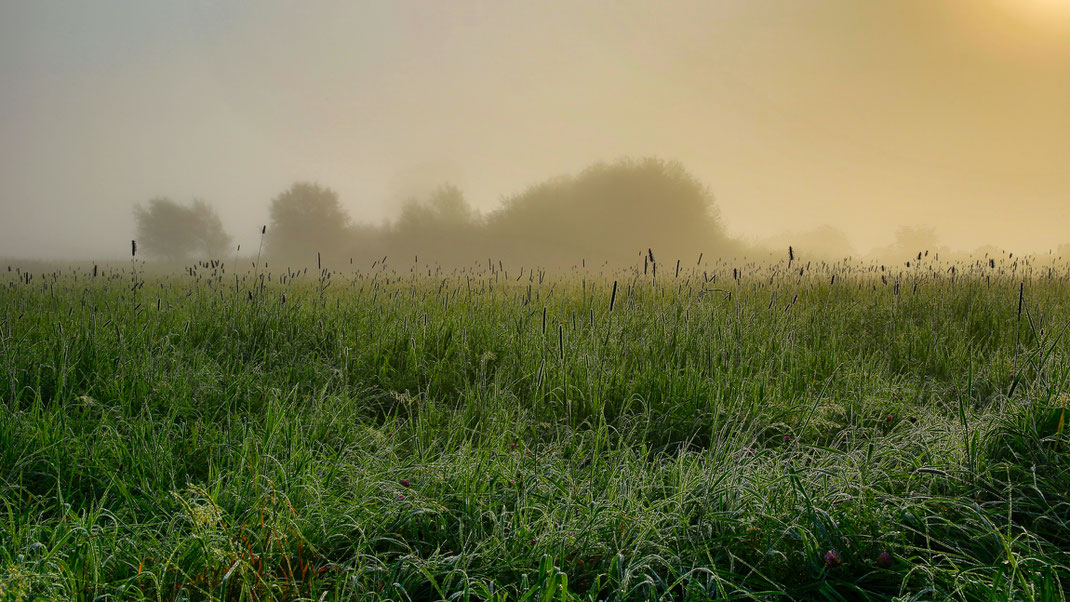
(853, 120)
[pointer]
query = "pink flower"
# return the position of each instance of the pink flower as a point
(832, 559)
(884, 560)
(404, 482)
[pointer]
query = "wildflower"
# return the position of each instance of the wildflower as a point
(832, 559)
(787, 438)
(404, 482)
(884, 560)
(512, 446)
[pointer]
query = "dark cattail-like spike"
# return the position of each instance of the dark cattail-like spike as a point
(1021, 298)
(133, 248)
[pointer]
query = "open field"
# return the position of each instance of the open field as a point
(815, 431)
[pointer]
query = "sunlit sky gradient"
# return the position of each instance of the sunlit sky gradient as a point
(862, 115)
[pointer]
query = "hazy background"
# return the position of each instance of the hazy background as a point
(862, 116)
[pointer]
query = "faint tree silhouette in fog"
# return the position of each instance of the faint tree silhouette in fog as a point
(305, 220)
(822, 243)
(172, 231)
(212, 239)
(611, 212)
(909, 242)
(445, 208)
(444, 228)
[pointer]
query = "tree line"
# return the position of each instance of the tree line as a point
(609, 212)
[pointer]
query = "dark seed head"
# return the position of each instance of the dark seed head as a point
(884, 560)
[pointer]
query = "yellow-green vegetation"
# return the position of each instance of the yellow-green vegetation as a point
(721, 431)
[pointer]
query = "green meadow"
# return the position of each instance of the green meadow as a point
(807, 431)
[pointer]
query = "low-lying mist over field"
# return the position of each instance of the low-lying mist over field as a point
(529, 131)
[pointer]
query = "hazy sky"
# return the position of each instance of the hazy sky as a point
(862, 115)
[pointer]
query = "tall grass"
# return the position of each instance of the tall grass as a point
(498, 433)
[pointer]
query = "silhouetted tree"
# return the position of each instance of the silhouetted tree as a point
(611, 211)
(305, 220)
(172, 231)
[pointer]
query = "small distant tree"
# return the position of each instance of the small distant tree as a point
(172, 231)
(306, 219)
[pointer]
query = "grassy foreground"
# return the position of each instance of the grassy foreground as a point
(821, 432)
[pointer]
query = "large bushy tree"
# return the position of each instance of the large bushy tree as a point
(611, 212)
(173, 231)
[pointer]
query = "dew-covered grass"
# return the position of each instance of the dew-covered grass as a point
(728, 432)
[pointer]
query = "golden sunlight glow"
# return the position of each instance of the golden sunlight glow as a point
(1031, 30)
(1041, 13)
